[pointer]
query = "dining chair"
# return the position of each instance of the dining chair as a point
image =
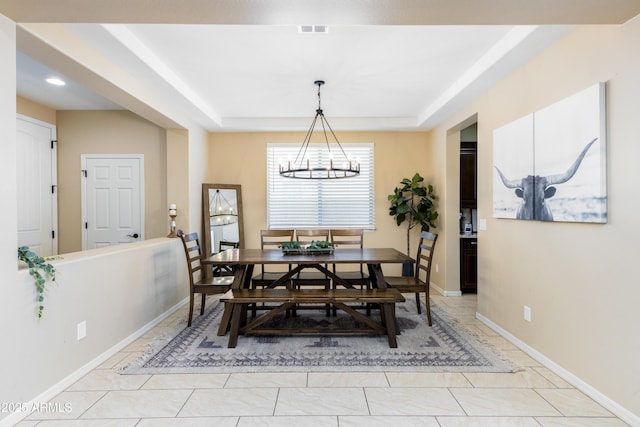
(419, 282)
(351, 238)
(224, 245)
(270, 239)
(312, 278)
(225, 270)
(199, 283)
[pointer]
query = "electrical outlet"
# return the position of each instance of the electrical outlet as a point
(527, 313)
(482, 224)
(82, 330)
(437, 268)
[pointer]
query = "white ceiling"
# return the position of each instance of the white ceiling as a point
(243, 76)
(31, 84)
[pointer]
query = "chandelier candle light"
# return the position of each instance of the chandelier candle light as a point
(172, 225)
(221, 211)
(301, 167)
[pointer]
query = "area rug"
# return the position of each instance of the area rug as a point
(444, 347)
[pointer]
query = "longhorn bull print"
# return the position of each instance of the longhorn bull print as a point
(534, 190)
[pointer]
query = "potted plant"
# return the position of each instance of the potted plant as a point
(413, 203)
(38, 269)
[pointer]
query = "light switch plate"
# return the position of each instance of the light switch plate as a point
(482, 224)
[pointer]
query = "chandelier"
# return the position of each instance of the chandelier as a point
(220, 211)
(301, 167)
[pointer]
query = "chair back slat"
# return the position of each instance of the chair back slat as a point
(307, 236)
(353, 237)
(272, 239)
(424, 256)
(193, 252)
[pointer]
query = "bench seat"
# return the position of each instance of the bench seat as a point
(289, 298)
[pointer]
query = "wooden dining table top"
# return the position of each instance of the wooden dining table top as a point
(339, 256)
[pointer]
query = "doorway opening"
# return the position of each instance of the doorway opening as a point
(468, 209)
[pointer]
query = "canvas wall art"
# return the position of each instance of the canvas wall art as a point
(551, 165)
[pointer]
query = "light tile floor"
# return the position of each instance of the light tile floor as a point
(534, 396)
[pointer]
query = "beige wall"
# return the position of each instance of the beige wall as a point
(240, 158)
(108, 132)
(178, 176)
(579, 279)
(198, 170)
(34, 110)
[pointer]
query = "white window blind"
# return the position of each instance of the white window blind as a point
(320, 203)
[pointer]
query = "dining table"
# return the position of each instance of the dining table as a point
(243, 262)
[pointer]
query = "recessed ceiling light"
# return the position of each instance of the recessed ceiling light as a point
(55, 81)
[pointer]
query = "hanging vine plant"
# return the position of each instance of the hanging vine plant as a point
(40, 270)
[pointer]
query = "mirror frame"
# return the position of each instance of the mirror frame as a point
(206, 227)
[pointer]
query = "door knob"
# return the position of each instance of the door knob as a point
(134, 235)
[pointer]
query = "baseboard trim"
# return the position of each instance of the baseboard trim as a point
(63, 384)
(452, 293)
(443, 292)
(611, 405)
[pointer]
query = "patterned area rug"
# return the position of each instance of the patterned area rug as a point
(444, 347)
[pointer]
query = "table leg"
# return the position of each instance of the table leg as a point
(239, 280)
(226, 318)
(390, 323)
(248, 272)
(376, 276)
(235, 324)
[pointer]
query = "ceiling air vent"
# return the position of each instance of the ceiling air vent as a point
(308, 29)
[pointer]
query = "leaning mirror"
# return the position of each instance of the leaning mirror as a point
(222, 217)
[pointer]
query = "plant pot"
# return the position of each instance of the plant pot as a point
(407, 269)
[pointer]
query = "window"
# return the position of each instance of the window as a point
(320, 203)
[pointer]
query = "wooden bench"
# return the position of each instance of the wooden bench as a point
(289, 298)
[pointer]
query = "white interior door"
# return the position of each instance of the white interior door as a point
(113, 206)
(36, 180)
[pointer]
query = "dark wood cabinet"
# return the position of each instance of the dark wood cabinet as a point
(469, 265)
(468, 165)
